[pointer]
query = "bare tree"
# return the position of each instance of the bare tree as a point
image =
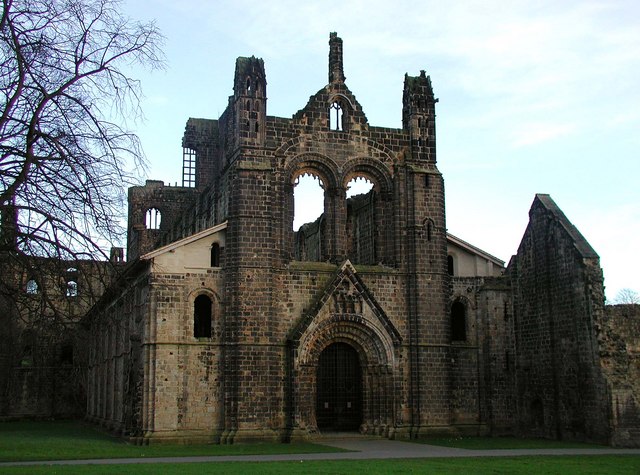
(626, 297)
(66, 155)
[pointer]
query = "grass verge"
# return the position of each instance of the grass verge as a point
(561, 465)
(66, 440)
(496, 443)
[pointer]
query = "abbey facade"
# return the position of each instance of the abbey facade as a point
(227, 325)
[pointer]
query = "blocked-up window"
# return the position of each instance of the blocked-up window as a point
(202, 317)
(153, 218)
(458, 322)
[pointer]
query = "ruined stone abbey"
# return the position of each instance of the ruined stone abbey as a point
(227, 325)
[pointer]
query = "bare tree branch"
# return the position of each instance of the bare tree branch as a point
(66, 158)
(627, 297)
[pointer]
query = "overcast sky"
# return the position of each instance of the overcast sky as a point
(535, 97)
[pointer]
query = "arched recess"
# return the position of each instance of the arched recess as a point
(196, 301)
(317, 244)
(460, 311)
(369, 224)
(376, 354)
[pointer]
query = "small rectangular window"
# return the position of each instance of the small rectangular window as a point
(188, 168)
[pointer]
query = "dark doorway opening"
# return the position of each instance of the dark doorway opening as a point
(339, 389)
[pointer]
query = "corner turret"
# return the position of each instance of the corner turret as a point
(419, 114)
(250, 100)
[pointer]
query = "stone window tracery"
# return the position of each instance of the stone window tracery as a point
(153, 218)
(336, 115)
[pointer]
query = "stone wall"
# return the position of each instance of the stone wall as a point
(558, 296)
(171, 201)
(619, 337)
(116, 334)
(44, 355)
(370, 274)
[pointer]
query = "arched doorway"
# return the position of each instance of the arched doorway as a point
(339, 388)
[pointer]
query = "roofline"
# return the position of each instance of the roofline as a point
(181, 242)
(579, 241)
(470, 247)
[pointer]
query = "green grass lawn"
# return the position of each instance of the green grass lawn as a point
(495, 443)
(22, 441)
(63, 440)
(586, 465)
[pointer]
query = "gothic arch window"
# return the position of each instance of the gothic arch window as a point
(215, 255)
(202, 317)
(336, 116)
(257, 127)
(458, 321)
(153, 218)
(257, 106)
(32, 287)
(248, 84)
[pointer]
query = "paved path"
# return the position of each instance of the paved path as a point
(362, 448)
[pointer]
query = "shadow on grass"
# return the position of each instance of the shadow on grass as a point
(68, 440)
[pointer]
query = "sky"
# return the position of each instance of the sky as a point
(535, 97)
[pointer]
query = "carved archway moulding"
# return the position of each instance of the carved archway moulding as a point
(306, 144)
(316, 164)
(374, 349)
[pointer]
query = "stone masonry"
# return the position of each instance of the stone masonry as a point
(229, 326)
